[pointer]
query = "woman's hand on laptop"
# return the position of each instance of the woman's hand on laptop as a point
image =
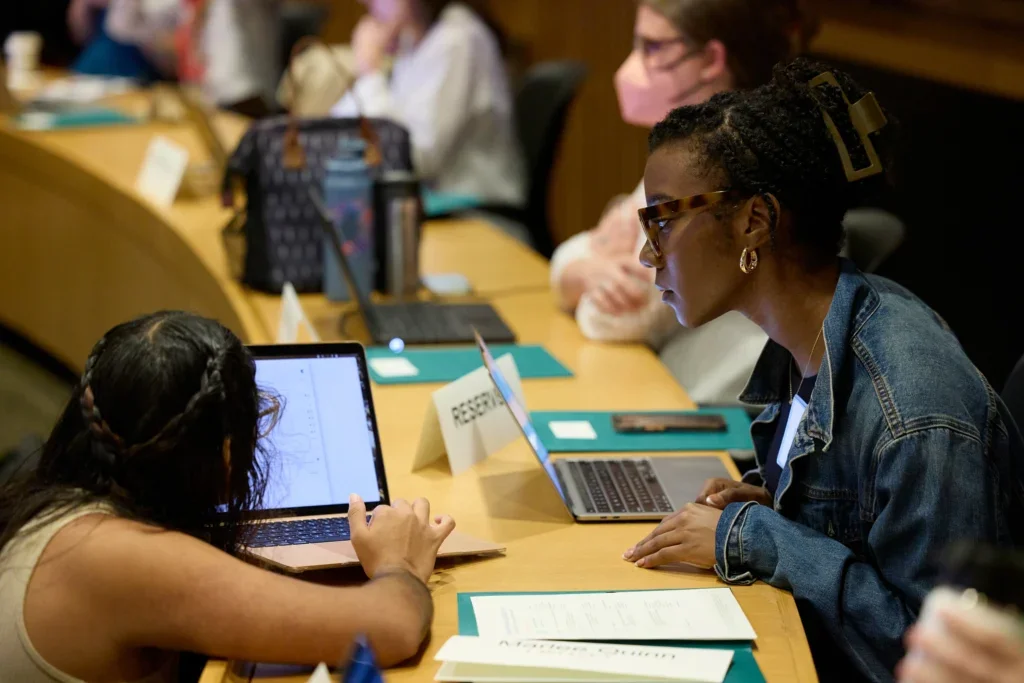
(718, 493)
(401, 536)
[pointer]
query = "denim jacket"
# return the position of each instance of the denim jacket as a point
(904, 449)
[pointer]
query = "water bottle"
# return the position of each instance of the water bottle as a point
(348, 196)
(399, 211)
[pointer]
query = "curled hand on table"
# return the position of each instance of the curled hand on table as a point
(961, 651)
(720, 492)
(687, 536)
(400, 537)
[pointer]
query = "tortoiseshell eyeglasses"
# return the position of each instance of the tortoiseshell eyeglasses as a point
(654, 219)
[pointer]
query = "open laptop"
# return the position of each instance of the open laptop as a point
(415, 322)
(324, 447)
(629, 489)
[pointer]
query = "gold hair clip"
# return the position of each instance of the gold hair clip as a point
(867, 117)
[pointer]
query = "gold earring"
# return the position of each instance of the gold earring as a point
(748, 261)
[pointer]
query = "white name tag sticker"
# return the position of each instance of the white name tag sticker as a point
(162, 171)
(578, 430)
(468, 420)
(796, 413)
(389, 368)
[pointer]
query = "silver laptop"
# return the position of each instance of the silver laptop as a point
(324, 447)
(629, 489)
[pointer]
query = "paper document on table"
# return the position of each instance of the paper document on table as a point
(695, 614)
(468, 658)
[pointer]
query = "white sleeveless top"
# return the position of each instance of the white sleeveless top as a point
(19, 660)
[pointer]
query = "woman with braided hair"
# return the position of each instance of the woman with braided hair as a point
(121, 547)
(881, 443)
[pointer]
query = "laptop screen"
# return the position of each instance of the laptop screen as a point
(521, 416)
(324, 446)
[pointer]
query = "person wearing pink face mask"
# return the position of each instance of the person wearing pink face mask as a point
(684, 52)
(448, 86)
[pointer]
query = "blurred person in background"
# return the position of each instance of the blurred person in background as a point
(448, 86)
(684, 52)
(970, 629)
(228, 47)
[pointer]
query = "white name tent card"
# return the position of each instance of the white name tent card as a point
(293, 318)
(479, 660)
(321, 675)
(162, 171)
(467, 420)
(699, 614)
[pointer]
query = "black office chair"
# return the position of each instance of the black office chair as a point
(298, 20)
(1013, 393)
(542, 106)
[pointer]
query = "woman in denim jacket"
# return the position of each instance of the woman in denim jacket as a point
(881, 442)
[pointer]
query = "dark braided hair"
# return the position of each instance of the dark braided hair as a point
(773, 141)
(145, 433)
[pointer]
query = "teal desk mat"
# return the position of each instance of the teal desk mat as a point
(74, 118)
(443, 203)
(744, 668)
(735, 437)
(448, 365)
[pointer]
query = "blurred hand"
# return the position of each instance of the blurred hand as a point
(688, 536)
(961, 651)
(400, 536)
(617, 285)
(718, 493)
(371, 41)
(616, 234)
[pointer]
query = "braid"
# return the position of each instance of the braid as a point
(211, 389)
(110, 449)
(107, 447)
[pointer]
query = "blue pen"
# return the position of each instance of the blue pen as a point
(362, 668)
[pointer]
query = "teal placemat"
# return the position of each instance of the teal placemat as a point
(443, 203)
(744, 668)
(448, 365)
(735, 437)
(74, 118)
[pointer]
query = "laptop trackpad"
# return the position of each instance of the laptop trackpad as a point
(311, 556)
(684, 477)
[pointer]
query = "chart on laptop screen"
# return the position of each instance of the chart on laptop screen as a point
(322, 447)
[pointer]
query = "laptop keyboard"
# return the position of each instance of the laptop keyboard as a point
(619, 486)
(432, 323)
(300, 532)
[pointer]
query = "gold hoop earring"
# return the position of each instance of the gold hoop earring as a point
(748, 261)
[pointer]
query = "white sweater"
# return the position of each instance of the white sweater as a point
(712, 362)
(451, 92)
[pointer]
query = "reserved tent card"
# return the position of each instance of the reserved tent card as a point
(479, 660)
(701, 614)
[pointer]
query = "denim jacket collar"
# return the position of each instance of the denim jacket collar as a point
(855, 300)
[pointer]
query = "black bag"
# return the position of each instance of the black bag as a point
(277, 237)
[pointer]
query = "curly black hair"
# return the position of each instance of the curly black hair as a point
(773, 140)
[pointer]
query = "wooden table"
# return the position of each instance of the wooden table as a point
(81, 252)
